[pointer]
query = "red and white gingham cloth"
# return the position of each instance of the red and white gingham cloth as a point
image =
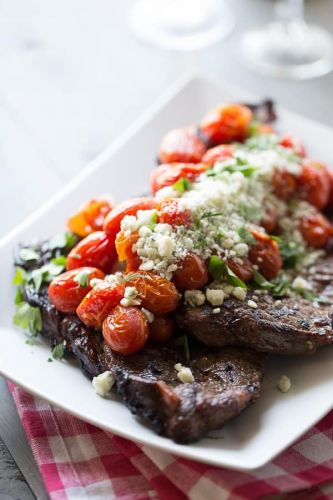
(78, 461)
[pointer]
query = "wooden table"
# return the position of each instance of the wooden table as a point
(72, 78)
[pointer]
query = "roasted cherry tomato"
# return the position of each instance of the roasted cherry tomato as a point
(316, 230)
(226, 123)
(90, 217)
(192, 274)
(161, 329)
(219, 153)
(67, 290)
(287, 141)
(157, 294)
(266, 255)
(99, 302)
(168, 174)
(125, 330)
(313, 184)
(97, 249)
(170, 213)
(330, 201)
(244, 271)
(181, 145)
(270, 220)
(124, 245)
(129, 207)
(284, 184)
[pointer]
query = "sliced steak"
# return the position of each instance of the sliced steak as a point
(226, 381)
(287, 326)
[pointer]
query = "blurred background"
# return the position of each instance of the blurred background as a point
(75, 73)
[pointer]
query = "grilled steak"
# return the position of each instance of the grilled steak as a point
(288, 326)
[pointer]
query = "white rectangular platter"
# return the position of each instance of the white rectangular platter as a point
(263, 430)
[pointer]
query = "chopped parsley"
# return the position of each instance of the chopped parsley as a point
(246, 235)
(20, 276)
(219, 270)
(261, 281)
(290, 252)
(281, 286)
(183, 342)
(182, 185)
(209, 214)
(58, 351)
(63, 240)
(82, 278)
(28, 317)
(233, 279)
(46, 273)
(18, 297)
(28, 254)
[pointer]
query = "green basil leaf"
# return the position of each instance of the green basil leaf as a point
(82, 278)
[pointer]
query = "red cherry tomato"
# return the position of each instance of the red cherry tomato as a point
(313, 184)
(284, 184)
(125, 330)
(330, 201)
(161, 329)
(90, 217)
(129, 207)
(219, 153)
(287, 141)
(98, 303)
(157, 294)
(66, 293)
(181, 145)
(270, 220)
(170, 213)
(192, 274)
(266, 255)
(124, 245)
(226, 123)
(244, 271)
(97, 250)
(316, 230)
(168, 174)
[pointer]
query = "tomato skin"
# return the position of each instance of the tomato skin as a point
(124, 246)
(284, 184)
(227, 123)
(181, 145)
(90, 217)
(128, 207)
(170, 213)
(313, 184)
(192, 275)
(157, 294)
(218, 153)
(97, 250)
(161, 329)
(125, 330)
(168, 174)
(66, 294)
(266, 255)
(290, 142)
(98, 303)
(330, 200)
(316, 230)
(244, 271)
(270, 220)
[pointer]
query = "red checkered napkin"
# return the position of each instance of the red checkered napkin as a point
(77, 461)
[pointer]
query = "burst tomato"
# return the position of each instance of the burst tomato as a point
(97, 250)
(124, 245)
(90, 217)
(218, 153)
(181, 145)
(98, 303)
(266, 255)
(284, 184)
(330, 200)
(161, 329)
(67, 290)
(313, 184)
(270, 220)
(168, 174)
(157, 294)
(316, 230)
(125, 330)
(243, 270)
(129, 207)
(287, 141)
(170, 213)
(226, 123)
(192, 274)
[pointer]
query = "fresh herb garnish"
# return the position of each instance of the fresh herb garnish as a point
(28, 317)
(132, 276)
(20, 276)
(46, 273)
(233, 279)
(261, 142)
(290, 252)
(58, 351)
(209, 214)
(59, 261)
(63, 240)
(82, 278)
(250, 212)
(246, 236)
(246, 170)
(183, 342)
(28, 254)
(219, 269)
(281, 286)
(308, 295)
(261, 281)
(182, 185)
(152, 222)
(18, 297)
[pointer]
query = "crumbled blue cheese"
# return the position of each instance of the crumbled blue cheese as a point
(217, 310)
(184, 374)
(194, 298)
(239, 293)
(300, 284)
(284, 384)
(149, 315)
(130, 297)
(252, 304)
(215, 297)
(103, 383)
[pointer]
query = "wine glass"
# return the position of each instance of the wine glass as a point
(181, 24)
(288, 47)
